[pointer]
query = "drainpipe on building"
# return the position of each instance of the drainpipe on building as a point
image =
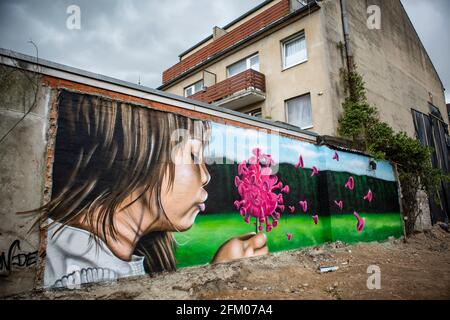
(348, 46)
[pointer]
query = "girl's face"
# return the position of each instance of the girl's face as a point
(186, 197)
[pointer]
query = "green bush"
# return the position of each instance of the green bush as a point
(360, 123)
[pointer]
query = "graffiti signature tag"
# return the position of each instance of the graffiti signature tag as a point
(21, 260)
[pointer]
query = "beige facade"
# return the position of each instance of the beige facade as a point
(310, 76)
(397, 70)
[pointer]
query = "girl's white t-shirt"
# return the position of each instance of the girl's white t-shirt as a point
(74, 258)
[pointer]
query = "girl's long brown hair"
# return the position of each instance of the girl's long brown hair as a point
(105, 150)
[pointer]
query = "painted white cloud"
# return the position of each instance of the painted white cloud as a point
(233, 143)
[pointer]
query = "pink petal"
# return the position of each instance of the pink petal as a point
(336, 156)
(360, 223)
(300, 163)
(316, 219)
(291, 209)
(315, 171)
(304, 205)
(350, 183)
(369, 196)
(339, 204)
(289, 236)
(286, 189)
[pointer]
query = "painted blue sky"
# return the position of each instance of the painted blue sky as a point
(237, 144)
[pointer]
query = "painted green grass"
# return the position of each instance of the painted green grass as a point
(198, 245)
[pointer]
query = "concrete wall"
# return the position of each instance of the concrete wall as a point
(309, 77)
(37, 157)
(423, 221)
(398, 73)
(22, 166)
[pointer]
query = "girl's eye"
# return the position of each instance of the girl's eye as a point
(196, 158)
(195, 152)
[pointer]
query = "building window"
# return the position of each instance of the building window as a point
(299, 113)
(294, 51)
(193, 89)
(243, 65)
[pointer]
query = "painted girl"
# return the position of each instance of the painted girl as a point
(122, 184)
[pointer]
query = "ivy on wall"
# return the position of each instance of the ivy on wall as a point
(360, 123)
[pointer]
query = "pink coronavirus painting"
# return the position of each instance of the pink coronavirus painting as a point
(261, 192)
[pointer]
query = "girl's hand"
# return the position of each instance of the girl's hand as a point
(246, 246)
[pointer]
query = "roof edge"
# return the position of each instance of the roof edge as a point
(421, 43)
(243, 16)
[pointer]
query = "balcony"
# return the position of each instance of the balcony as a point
(241, 90)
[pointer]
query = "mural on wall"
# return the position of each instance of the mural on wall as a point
(316, 195)
(138, 191)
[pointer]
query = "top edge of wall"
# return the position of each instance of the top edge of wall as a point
(50, 68)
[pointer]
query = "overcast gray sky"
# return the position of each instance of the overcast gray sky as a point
(135, 38)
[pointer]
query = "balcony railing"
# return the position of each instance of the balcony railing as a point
(243, 82)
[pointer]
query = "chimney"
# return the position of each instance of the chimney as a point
(297, 4)
(218, 32)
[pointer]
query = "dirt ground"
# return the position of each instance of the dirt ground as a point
(417, 269)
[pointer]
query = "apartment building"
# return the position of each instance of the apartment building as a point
(283, 61)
